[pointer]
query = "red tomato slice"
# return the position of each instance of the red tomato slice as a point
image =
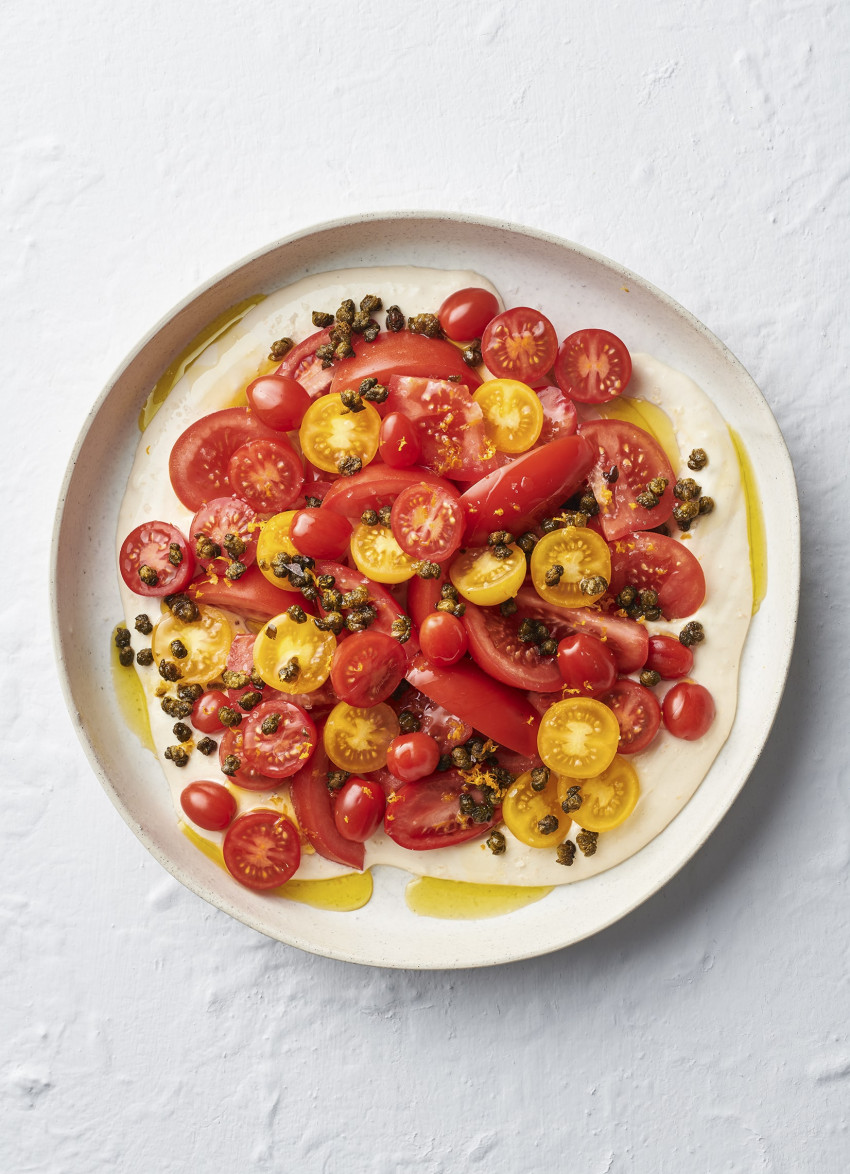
(449, 426)
(637, 710)
(495, 646)
(199, 461)
(530, 487)
(217, 519)
(347, 578)
(240, 659)
(268, 474)
(639, 459)
(501, 713)
(261, 849)
(314, 811)
(560, 417)
(593, 366)
(367, 668)
(154, 544)
(247, 775)
(425, 814)
(428, 522)
(520, 343)
(402, 354)
(663, 564)
(252, 595)
(423, 595)
(627, 639)
(374, 486)
(281, 752)
(445, 728)
(302, 364)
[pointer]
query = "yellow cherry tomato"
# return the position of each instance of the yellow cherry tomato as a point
(578, 737)
(273, 540)
(377, 554)
(582, 553)
(607, 799)
(513, 414)
(356, 739)
(280, 641)
(329, 432)
(206, 640)
(486, 580)
(523, 808)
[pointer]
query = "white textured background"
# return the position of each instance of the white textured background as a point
(144, 147)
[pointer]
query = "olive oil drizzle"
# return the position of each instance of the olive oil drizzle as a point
(430, 896)
(755, 522)
(131, 698)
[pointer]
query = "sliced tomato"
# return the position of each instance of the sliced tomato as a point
(163, 550)
(428, 522)
(402, 354)
(240, 659)
(303, 365)
(423, 595)
(281, 751)
(530, 487)
(447, 729)
(261, 849)
(426, 814)
(495, 646)
(560, 417)
(627, 639)
(268, 474)
(639, 459)
(593, 366)
(199, 462)
(246, 775)
(374, 486)
(216, 520)
(251, 595)
(520, 343)
(347, 578)
(663, 564)
(367, 667)
(501, 713)
(637, 710)
(314, 811)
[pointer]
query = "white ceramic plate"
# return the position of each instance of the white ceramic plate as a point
(527, 267)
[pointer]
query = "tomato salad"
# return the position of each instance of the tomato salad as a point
(418, 590)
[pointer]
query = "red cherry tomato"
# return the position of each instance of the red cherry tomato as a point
(412, 756)
(320, 533)
(205, 712)
(279, 401)
(303, 365)
(313, 805)
(428, 522)
(376, 485)
(638, 459)
(209, 805)
(217, 519)
(663, 564)
(449, 426)
(560, 417)
(670, 659)
(401, 354)
(261, 849)
(593, 366)
(284, 746)
(520, 344)
(359, 809)
(688, 711)
(201, 455)
(637, 710)
(465, 314)
(155, 545)
(587, 665)
(398, 443)
(426, 814)
(251, 595)
(240, 659)
(495, 646)
(268, 474)
(443, 638)
(367, 667)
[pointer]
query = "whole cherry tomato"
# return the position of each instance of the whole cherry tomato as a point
(669, 658)
(443, 638)
(587, 666)
(412, 756)
(209, 805)
(688, 711)
(466, 313)
(205, 712)
(320, 533)
(398, 443)
(279, 401)
(359, 809)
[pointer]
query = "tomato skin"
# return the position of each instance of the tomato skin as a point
(278, 401)
(669, 658)
(374, 486)
(412, 756)
(447, 729)
(240, 659)
(530, 487)
(209, 805)
(495, 646)
(205, 712)
(627, 640)
(663, 564)
(425, 814)
(638, 713)
(367, 667)
(560, 417)
(261, 849)
(267, 474)
(149, 545)
(466, 313)
(639, 458)
(222, 516)
(199, 460)
(520, 343)
(423, 595)
(443, 639)
(320, 533)
(402, 354)
(314, 811)
(251, 595)
(587, 666)
(593, 366)
(359, 809)
(347, 578)
(428, 522)
(449, 426)
(302, 365)
(398, 443)
(499, 712)
(688, 711)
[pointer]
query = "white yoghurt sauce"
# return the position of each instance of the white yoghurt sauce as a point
(670, 770)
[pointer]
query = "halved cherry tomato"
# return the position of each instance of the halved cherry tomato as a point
(587, 666)
(201, 455)
(402, 354)
(627, 639)
(282, 641)
(484, 579)
(251, 595)
(560, 417)
(205, 712)
(275, 539)
(688, 711)
(278, 737)
(581, 554)
(241, 773)
(209, 805)
(520, 343)
(261, 849)
(495, 645)
(359, 809)
(320, 533)
(523, 808)
(464, 314)
(367, 668)
(374, 486)
(330, 433)
(218, 518)
(314, 811)
(279, 401)
(357, 739)
(638, 714)
(162, 549)
(639, 459)
(198, 647)
(398, 443)
(412, 756)
(530, 487)
(449, 426)
(445, 728)
(593, 366)
(663, 564)
(428, 522)
(376, 553)
(426, 814)
(268, 474)
(578, 737)
(669, 658)
(513, 414)
(443, 638)
(607, 799)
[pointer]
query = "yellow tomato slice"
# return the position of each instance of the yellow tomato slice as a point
(207, 642)
(513, 414)
(274, 539)
(329, 432)
(486, 580)
(523, 808)
(377, 554)
(280, 640)
(582, 553)
(578, 737)
(356, 739)
(607, 799)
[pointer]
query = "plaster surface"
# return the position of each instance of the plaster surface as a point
(144, 147)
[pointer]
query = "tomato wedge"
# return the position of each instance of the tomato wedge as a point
(367, 667)
(314, 811)
(423, 595)
(503, 714)
(251, 595)
(626, 639)
(377, 485)
(495, 646)
(663, 564)
(639, 459)
(445, 728)
(426, 814)
(198, 464)
(401, 354)
(346, 579)
(302, 364)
